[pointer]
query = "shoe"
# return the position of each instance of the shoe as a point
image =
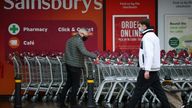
(62, 106)
(125, 105)
(76, 106)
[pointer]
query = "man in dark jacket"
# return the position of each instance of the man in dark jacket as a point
(75, 52)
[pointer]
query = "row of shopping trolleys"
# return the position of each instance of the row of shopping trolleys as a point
(48, 74)
(115, 80)
(40, 75)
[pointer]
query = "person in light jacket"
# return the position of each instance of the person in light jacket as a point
(149, 63)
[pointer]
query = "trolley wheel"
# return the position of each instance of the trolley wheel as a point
(26, 96)
(154, 105)
(50, 98)
(45, 99)
(120, 105)
(11, 99)
(34, 98)
(103, 103)
(142, 105)
(55, 99)
(80, 101)
(97, 104)
(188, 105)
(107, 105)
(23, 98)
(158, 105)
(145, 105)
(115, 103)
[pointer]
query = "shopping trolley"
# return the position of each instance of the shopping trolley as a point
(90, 69)
(42, 75)
(59, 76)
(131, 74)
(107, 77)
(17, 63)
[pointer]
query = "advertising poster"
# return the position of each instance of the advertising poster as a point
(174, 11)
(178, 32)
(126, 35)
(121, 22)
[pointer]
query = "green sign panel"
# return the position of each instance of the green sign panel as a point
(174, 42)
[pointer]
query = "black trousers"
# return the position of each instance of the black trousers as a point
(73, 82)
(143, 84)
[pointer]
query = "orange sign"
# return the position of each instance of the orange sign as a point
(14, 42)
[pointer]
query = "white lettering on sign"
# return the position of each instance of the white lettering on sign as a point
(52, 4)
(28, 29)
(64, 29)
(129, 29)
(29, 43)
(130, 33)
(129, 24)
(88, 29)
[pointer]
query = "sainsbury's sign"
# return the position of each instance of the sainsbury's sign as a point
(52, 4)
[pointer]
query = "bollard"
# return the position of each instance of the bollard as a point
(17, 101)
(90, 82)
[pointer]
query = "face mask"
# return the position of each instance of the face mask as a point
(140, 30)
(84, 38)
